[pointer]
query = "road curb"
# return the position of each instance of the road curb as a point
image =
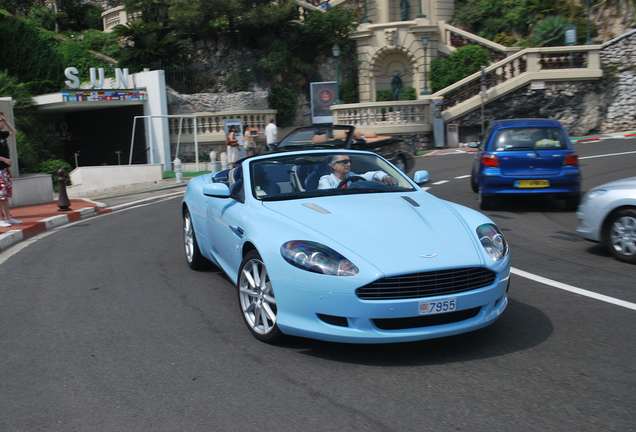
(12, 237)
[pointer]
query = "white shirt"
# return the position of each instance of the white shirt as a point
(330, 181)
(270, 133)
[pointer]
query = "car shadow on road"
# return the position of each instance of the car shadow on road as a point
(520, 328)
(528, 204)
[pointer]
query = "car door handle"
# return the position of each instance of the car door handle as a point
(237, 230)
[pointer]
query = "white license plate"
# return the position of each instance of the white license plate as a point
(438, 306)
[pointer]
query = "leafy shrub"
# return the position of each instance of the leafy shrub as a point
(408, 93)
(384, 95)
(549, 31)
(463, 62)
(51, 167)
(284, 100)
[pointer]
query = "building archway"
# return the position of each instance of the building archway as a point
(385, 63)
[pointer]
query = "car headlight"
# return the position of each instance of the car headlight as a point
(317, 258)
(593, 194)
(492, 241)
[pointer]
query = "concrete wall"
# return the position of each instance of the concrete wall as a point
(98, 178)
(30, 189)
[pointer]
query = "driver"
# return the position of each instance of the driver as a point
(341, 170)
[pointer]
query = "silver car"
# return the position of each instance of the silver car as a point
(607, 215)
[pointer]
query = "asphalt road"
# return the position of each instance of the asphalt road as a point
(104, 328)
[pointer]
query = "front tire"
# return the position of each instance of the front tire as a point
(195, 260)
(257, 300)
(474, 184)
(620, 235)
(485, 202)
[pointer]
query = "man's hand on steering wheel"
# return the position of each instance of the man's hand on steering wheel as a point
(350, 179)
(389, 181)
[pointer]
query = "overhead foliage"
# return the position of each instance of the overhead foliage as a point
(461, 63)
(549, 31)
(488, 18)
(149, 45)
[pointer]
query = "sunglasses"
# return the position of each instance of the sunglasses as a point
(344, 161)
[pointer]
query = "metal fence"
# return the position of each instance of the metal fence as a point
(189, 79)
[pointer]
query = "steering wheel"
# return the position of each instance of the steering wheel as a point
(351, 179)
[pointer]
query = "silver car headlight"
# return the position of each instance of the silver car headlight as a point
(593, 194)
(493, 241)
(317, 258)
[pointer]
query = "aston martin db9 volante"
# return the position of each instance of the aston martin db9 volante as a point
(340, 245)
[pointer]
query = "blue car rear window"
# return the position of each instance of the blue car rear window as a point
(537, 138)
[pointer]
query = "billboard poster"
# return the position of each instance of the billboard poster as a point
(323, 95)
(238, 123)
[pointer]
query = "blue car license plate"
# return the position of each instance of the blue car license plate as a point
(438, 306)
(532, 183)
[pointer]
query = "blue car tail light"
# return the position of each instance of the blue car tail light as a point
(571, 159)
(493, 241)
(317, 258)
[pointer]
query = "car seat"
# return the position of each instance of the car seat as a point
(262, 183)
(323, 168)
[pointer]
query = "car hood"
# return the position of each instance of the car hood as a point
(396, 233)
(627, 183)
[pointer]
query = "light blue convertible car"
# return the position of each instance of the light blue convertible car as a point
(339, 245)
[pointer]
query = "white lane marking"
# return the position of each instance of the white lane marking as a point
(440, 182)
(609, 154)
(573, 289)
(462, 177)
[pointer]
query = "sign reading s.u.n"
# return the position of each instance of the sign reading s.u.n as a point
(122, 78)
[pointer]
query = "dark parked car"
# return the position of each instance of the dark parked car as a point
(526, 156)
(395, 150)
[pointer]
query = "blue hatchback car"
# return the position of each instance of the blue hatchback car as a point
(526, 156)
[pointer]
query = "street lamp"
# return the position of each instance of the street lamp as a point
(425, 40)
(365, 18)
(588, 40)
(421, 15)
(336, 53)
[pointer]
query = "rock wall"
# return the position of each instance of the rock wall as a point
(216, 102)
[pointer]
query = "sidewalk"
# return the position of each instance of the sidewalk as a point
(41, 217)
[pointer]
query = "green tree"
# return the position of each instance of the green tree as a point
(148, 45)
(461, 63)
(549, 32)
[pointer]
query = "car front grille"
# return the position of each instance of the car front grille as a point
(427, 284)
(425, 321)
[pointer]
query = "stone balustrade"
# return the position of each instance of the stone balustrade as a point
(209, 126)
(574, 63)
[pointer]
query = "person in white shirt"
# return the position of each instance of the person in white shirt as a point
(271, 134)
(341, 170)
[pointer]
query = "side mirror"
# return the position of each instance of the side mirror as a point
(421, 177)
(473, 144)
(216, 190)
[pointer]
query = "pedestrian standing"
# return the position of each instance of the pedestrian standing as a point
(248, 141)
(6, 185)
(271, 134)
(232, 144)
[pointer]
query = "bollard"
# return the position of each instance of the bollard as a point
(177, 170)
(62, 201)
(213, 163)
(223, 161)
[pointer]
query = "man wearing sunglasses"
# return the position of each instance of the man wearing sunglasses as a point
(341, 170)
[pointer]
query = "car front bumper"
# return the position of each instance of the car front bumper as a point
(337, 317)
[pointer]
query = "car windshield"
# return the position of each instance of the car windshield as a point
(318, 136)
(536, 138)
(284, 177)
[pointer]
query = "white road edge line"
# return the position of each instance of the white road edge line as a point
(573, 289)
(606, 155)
